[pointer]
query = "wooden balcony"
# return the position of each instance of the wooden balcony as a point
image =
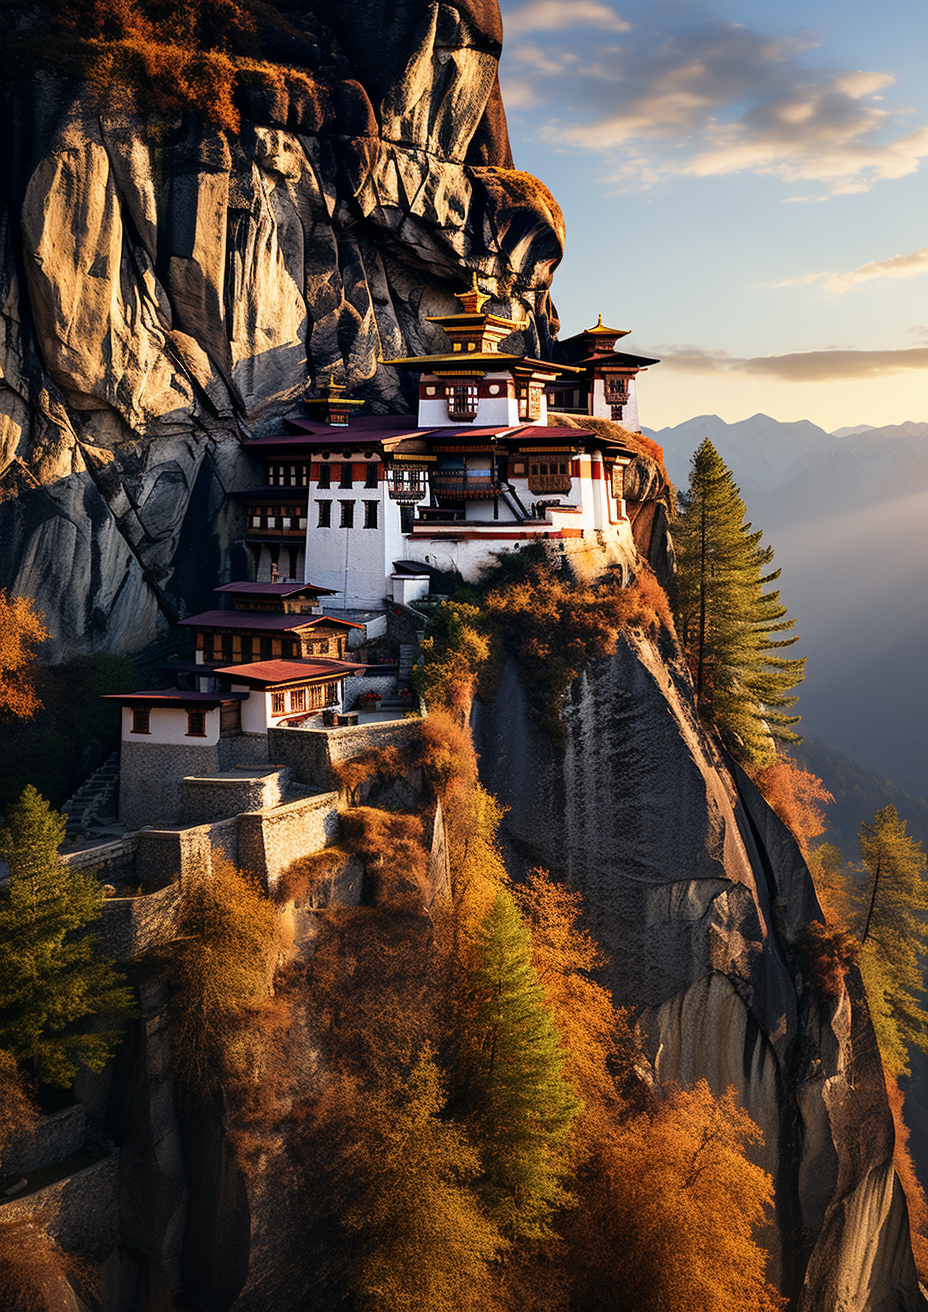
(540, 483)
(465, 487)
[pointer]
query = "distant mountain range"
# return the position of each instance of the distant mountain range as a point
(846, 513)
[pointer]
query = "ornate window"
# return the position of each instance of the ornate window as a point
(462, 401)
(530, 400)
(278, 703)
(298, 699)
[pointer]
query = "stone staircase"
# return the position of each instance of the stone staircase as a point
(409, 653)
(95, 802)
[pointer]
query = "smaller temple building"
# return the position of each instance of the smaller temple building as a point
(269, 660)
(603, 382)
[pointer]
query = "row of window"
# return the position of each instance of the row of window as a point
(237, 649)
(287, 475)
(312, 698)
(346, 514)
(196, 722)
(346, 475)
(288, 517)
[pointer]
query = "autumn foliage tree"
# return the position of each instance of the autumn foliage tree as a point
(21, 633)
(220, 965)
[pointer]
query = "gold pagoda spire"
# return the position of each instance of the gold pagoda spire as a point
(473, 300)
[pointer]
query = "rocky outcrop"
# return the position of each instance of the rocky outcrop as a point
(166, 284)
(699, 895)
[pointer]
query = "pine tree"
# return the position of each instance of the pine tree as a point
(514, 1098)
(54, 985)
(726, 620)
(894, 936)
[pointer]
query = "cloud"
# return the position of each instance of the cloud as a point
(710, 99)
(797, 367)
(899, 266)
(556, 15)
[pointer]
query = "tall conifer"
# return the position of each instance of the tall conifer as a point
(515, 1100)
(54, 985)
(726, 619)
(894, 937)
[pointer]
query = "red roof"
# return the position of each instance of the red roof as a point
(275, 589)
(270, 672)
(270, 621)
(179, 696)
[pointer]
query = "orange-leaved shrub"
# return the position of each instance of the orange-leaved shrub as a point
(306, 873)
(390, 843)
(166, 57)
(554, 627)
(21, 632)
(33, 1269)
(911, 1185)
(797, 796)
(220, 964)
(826, 954)
(376, 763)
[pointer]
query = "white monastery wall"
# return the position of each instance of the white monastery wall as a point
(169, 725)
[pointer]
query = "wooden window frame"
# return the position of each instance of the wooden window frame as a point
(193, 717)
(141, 716)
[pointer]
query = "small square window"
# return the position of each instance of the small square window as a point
(141, 719)
(370, 513)
(324, 509)
(347, 512)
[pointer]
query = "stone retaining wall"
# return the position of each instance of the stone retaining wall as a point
(109, 861)
(310, 753)
(269, 841)
(80, 1211)
(56, 1137)
(130, 926)
(205, 799)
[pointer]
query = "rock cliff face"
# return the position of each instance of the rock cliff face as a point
(698, 894)
(166, 285)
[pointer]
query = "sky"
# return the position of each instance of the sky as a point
(745, 187)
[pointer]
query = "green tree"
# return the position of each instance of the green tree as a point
(514, 1098)
(726, 619)
(54, 984)
(894, 936)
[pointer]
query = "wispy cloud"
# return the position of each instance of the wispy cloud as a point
(797, 367)
(556, 15)
(707, 99)
(898, 266)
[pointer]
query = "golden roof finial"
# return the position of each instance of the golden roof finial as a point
(473, 300)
